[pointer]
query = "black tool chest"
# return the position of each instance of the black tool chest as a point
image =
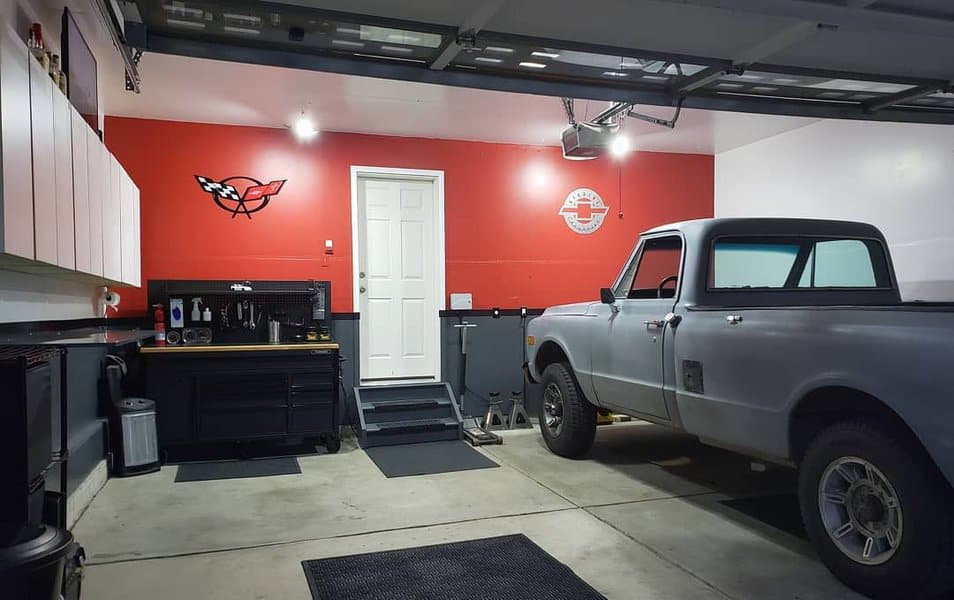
(234, 394)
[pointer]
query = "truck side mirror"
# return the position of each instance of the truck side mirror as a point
(607, 296)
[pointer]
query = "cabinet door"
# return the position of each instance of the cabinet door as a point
(130, 227)
(80, 192)
(96, 155)
(137, 242)
(63, 156)
(16, 234)
(112, 223)
(44, 164)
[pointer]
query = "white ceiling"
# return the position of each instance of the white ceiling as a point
(190, 89)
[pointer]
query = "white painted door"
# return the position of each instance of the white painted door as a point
(397, 278)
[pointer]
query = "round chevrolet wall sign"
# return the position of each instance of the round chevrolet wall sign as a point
(583, 210)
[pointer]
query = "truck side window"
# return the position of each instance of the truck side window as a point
(658, 268)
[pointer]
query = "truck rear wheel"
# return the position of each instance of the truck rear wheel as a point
(877, 512)
(567, 420)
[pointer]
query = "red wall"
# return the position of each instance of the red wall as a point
(505, 241)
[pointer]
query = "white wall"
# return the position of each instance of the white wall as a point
(899, 177)
(32, 297)
(25, 297)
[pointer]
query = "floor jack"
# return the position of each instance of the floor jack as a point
(473, 432)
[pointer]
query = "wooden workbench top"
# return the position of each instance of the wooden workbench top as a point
(186, 348)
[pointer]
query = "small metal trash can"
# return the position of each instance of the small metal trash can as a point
(134, 442)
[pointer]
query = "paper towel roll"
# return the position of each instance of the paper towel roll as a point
(111, 299)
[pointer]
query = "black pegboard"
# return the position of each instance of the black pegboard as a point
(290, 302)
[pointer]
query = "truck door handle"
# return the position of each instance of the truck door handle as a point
(655, 323)
(733, 319)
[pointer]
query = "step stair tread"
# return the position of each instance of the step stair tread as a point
(404, 404)
(414, 424)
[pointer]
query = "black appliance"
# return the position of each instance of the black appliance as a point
(26, 432)
(132, 422)
(79, 65)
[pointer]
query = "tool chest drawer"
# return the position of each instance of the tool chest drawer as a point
(233, 423)
(318, 418)
(229, 396)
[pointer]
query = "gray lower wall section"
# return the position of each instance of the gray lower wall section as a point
(495, 360)
(86, 428)
(495, 357)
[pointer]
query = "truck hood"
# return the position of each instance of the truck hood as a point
(579, 308)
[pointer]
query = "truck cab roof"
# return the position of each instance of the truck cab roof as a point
(699, 237)
(771, 226)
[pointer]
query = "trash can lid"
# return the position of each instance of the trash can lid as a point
(31, 545)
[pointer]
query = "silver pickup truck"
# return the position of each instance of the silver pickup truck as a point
(787, 340)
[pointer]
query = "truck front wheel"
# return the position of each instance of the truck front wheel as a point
(567, 420)
(877, 511)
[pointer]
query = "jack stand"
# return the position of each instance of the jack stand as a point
(494, 418)
(519, 419)
(473, 432)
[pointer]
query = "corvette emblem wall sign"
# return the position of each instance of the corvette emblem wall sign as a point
(240, 195)
(584, 211)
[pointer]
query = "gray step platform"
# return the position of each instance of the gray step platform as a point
(406, 414)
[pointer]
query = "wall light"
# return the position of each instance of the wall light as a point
(619, 145)
(304, 129)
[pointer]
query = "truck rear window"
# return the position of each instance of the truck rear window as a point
(797, 263)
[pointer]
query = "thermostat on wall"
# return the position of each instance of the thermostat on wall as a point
(462, 301)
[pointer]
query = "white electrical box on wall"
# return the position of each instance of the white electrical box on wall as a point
(462, 301)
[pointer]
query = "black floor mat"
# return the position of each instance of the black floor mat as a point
(237, 469)
(509, 567)
(427, 458)
(780, 511)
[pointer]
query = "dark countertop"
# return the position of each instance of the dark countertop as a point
(240, 347)
(86, 336)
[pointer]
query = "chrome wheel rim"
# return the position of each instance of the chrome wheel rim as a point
(861, 510)
(553, 409)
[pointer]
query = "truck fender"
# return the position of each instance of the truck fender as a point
(581, 372)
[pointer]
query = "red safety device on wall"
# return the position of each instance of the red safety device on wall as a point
(159, 326)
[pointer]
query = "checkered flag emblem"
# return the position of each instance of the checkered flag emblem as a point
(222, 190)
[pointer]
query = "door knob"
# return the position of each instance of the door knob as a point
(654, 323)
(733, 319)
(362, 289)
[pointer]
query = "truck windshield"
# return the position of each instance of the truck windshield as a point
(797, 263)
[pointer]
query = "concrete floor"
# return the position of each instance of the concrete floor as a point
(649, 515)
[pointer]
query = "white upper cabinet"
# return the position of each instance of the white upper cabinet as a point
(44, 164)
(81, 221)
(66, 204)
(16, 187)
(63, 157)
(96, 155)
(137, 241)
(112, 223)
(129, 212)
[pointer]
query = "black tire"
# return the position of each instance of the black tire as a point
(922, 566)
(578, 428)
(333, 443)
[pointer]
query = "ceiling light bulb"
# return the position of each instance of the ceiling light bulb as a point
(304, 128)
(619, 145)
